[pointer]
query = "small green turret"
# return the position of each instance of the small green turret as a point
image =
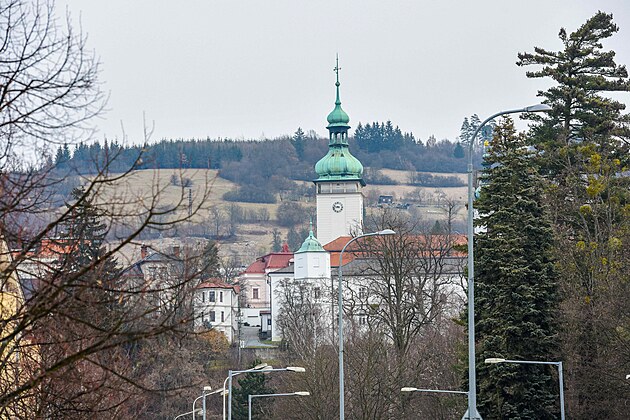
(311, 244)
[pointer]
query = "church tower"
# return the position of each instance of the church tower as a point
(339, 181)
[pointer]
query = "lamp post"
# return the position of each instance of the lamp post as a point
(531, 362)
(263, 368)
(188, 413)
(441, 391)
(206, 389)
(288, 394)
(471, 413)
(204, 394)
(229, 379)
(340, 312)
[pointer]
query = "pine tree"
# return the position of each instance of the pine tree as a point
(516, 290)
(276, 243)
(299, 141)
(251, 384)
(210, 261)
(583, 144)
(294, 240)
(459, 152)
(90, 273)
(84, 231)
(464, 131)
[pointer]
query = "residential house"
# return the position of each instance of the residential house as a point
(254, 286)
(216, 306)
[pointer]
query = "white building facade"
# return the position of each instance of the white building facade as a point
(254, 285)
(216, 307)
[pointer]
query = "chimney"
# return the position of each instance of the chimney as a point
(144, 251)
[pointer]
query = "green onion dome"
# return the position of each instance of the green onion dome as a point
(311, 244)
(338, 117)
(338, 164)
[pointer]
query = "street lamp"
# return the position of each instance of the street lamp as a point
(289, 394)
(262, 368)
(203, 395)
(472, 413)
(340, 312)
(442, 391)
(493, 360)
(229, 378)
(206, 392)
(197, 411)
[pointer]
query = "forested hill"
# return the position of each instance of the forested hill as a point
(376, 145)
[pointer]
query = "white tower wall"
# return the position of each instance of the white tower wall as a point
(339, 210)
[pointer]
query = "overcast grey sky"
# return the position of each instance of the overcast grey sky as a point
(261, 68)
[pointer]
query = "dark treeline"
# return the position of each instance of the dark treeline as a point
(377, 145)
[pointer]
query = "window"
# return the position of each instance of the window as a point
(203, 297)
(362, 292)
(222, 316)
(269, 321)
(211, 316)
(362, 320)
(211, 296)
(317, 293)
(255, 293)
(220, 296)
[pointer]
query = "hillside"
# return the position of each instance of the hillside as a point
(253, 235)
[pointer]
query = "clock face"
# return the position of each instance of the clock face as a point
(337, 207)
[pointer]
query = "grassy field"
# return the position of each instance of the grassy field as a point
(154, 188)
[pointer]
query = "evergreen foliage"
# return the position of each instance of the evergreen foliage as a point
(584, 151)
(85, 232)
(377, 137)
(210, 262)
(276, 242)
(299, 141)
(516, 290)
(251, 384)
(459, 152)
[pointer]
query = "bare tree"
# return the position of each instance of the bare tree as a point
(69, 343)
(304, 316)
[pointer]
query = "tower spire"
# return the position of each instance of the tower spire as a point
(336, 70)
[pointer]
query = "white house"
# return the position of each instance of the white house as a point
(255, 296)
(216, 306)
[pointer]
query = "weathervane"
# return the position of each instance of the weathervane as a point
(336, 69)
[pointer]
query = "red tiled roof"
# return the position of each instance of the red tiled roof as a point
(270, 261)
(352, 252)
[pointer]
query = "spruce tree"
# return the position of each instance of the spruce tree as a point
(89, 272)
(516, 290)
(251, 384)
(583, 149)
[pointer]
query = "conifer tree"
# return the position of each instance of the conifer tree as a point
(84, 229)
(251, 384)
(584, 148)
(516, 292)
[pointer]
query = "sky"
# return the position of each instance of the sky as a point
(255, 69)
